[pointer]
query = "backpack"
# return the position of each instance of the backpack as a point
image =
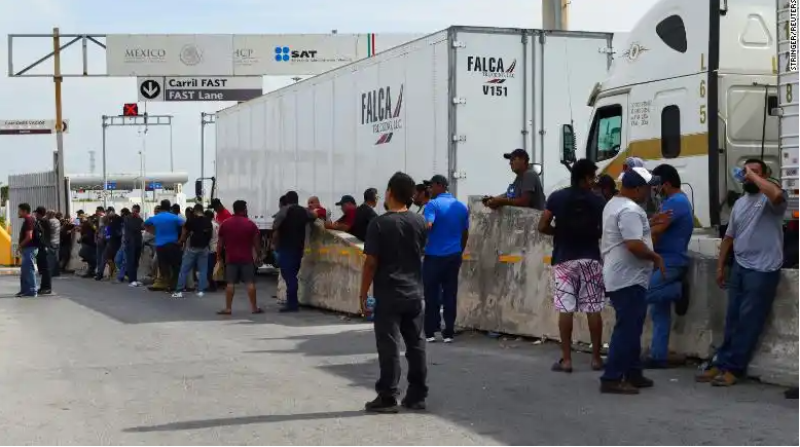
(39, 235)
(581, 220)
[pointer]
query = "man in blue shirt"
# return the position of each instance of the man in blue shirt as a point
(167, 229)
(671, 229)
(447, 220)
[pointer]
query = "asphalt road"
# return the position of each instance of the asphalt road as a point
(100, 363)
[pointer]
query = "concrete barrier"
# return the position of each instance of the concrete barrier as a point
(330, 274)
(505, 286)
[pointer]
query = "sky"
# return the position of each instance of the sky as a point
(85, 100)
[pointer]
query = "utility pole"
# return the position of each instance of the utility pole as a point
(555, 15)
(205, 119)
(63, 204)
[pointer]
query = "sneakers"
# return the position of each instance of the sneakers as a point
(44, 292)
(382, 405)
(134, 284)
(431, 339)
(177, 295)
(725, 379)
(618, 387)
(448, 339)
(200, 294)
(708, 375)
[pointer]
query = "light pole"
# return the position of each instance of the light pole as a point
(142, 153)
(205, 119)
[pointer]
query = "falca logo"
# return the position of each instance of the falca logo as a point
(377, 109)
(491, 67)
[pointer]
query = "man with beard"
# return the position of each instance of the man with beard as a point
(755, 231)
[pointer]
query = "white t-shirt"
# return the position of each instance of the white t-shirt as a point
(624, 220)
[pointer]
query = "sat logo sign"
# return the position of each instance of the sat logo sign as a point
(286, 54)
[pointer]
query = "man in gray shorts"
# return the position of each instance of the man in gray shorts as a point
(239, 239)
(755, 231)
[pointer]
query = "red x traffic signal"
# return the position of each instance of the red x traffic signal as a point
(131, 109)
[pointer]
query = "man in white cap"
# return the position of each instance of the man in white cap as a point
(628, 260)
(630, 163)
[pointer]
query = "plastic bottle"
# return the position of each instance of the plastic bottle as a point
(370, 308)
(738, 174)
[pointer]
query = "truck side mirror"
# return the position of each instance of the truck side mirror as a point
(198, 189)
(567, 144)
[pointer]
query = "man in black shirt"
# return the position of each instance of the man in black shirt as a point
(198, 230)
(42, 258)
(364, 214)
(132, 228)
(28, 245)
(290, 234)
(393, 267)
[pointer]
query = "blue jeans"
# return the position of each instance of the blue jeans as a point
(750, 297)
(662, 293)
(630, 308)
(440, 281)
(27, 274)
(119, 261)
(289, 263)
(194, 258)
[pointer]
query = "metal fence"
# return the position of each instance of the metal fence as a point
(36, 189)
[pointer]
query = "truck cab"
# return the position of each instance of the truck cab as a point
(695, 87)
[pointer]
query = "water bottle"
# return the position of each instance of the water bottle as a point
(370, 308)
(738, 174)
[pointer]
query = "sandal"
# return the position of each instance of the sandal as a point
(258, 311)
(224, 312)
(559, 367)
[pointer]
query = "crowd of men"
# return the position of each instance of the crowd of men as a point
(606, 248)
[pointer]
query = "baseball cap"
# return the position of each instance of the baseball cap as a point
(346, 199)
(517, 153)
(634, 162)
(437, 179)
(631, 162)
(636, 177)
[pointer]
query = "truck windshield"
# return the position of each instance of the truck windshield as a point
(605, 138)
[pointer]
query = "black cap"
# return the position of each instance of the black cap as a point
(346, 199)
(437, 179)
(517, 153)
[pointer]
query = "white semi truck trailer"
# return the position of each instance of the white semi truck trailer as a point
(450, 103)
